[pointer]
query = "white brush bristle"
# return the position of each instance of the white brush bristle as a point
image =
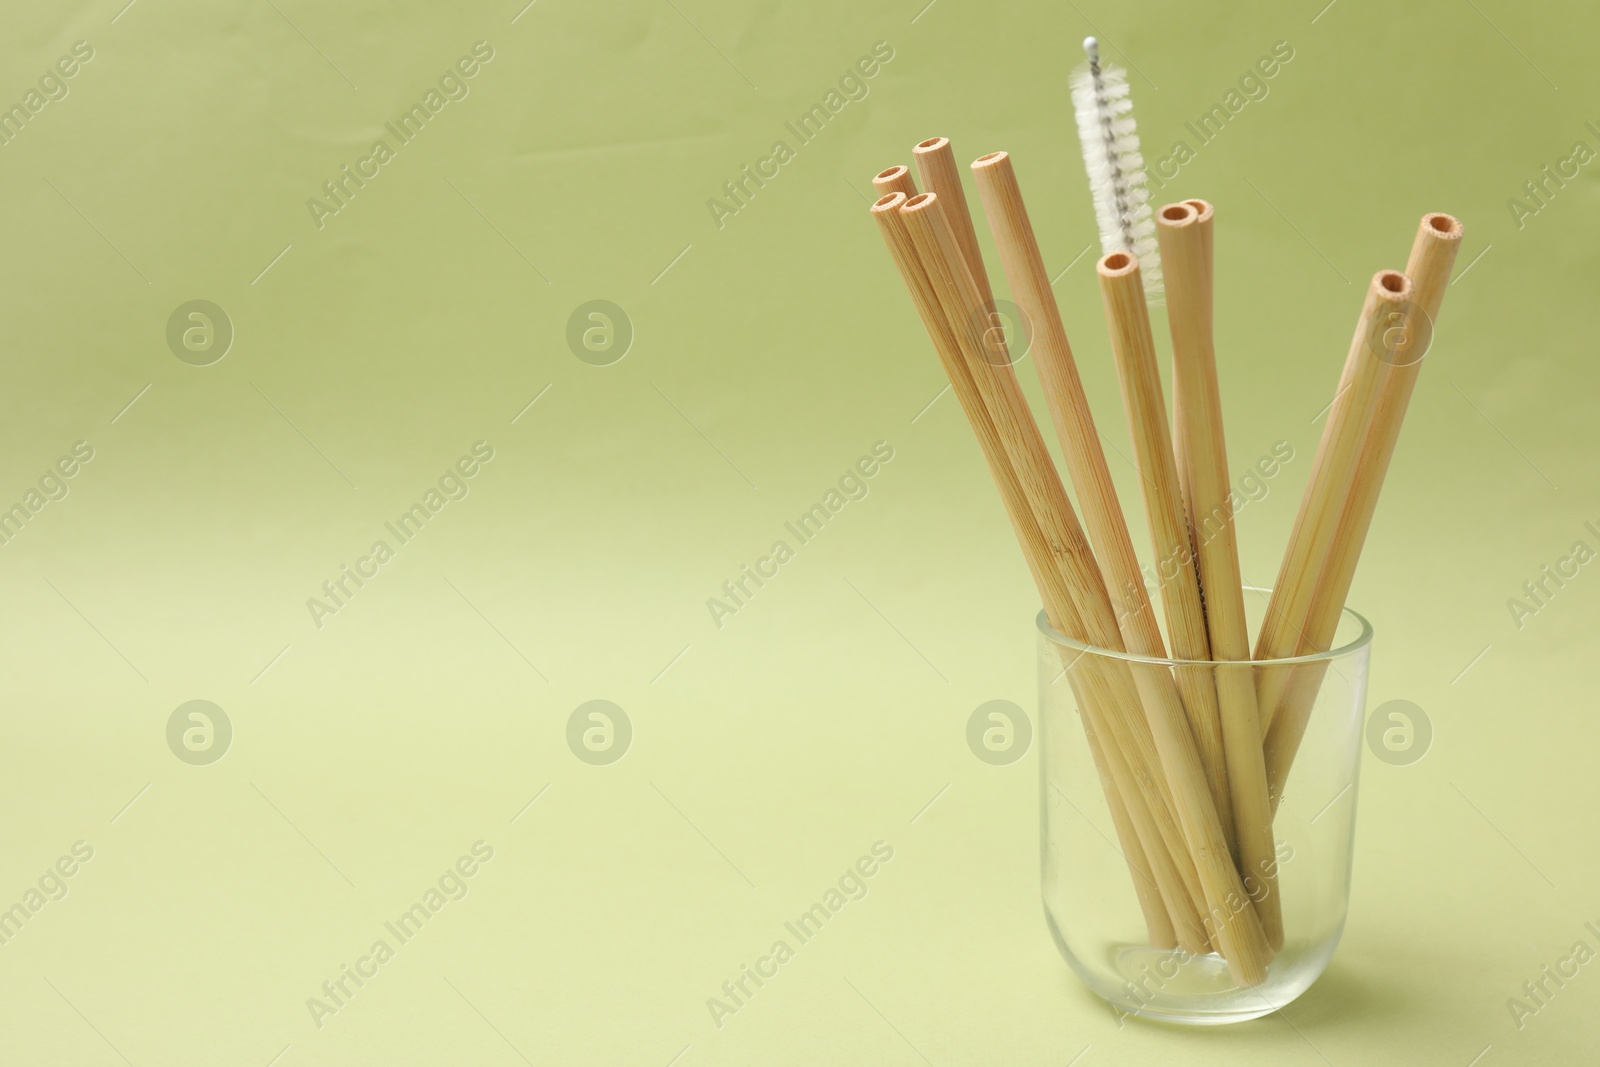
(1116, 169)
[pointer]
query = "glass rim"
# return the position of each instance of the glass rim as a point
(1362, 640)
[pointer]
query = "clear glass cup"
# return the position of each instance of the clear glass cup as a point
(1097, 918)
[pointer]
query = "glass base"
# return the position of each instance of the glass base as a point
(1171, 985)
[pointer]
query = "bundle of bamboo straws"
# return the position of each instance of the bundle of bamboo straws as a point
(1193, 759)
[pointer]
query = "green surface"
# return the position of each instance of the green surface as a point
(371, 752)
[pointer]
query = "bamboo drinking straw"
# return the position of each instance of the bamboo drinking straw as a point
(1128, 321)
(1283, 630)
(1433, 254)
(1238, 932)
(1086, 462)
(1186, 271)
(895, 179)
(1332, 471)
(1132, 745)
(1165, 847)
(1069, 408)
(1205, 214)
(936, 164)
(892, 228)
(1144, 845)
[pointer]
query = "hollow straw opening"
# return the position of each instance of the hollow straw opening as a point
(888, 201)
(920, 201)
(1178, 215)
(1444, 225)
(1404, 337)
(891, 174)
(988, 160)
(1202, 208)
(1362, 639)
(1116, 264)
(932, 144)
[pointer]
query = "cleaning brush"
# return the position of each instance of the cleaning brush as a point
(1115, 167)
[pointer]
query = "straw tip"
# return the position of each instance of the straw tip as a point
(1173, 216)
(1442, 226)
(1392, 285)
(1117, 265)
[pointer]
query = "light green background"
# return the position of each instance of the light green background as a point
(775, 351)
